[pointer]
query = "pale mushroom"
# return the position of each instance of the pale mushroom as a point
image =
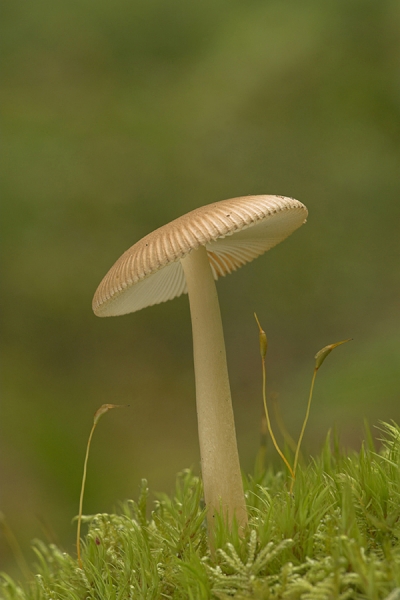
(187, 255)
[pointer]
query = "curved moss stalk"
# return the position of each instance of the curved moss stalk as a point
(319, 359)
(97, 415)
(263, 352)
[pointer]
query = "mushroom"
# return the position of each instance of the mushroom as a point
(187, 256)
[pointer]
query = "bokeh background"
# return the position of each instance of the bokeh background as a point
(119, 117)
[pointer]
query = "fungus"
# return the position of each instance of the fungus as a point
(187, 256)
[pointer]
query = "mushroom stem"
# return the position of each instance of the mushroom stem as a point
(222, 480)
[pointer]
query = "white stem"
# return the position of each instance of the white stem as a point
(222, 480)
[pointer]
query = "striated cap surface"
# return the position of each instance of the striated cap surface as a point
(233, 231)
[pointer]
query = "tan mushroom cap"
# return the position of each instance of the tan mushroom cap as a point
(233, 231)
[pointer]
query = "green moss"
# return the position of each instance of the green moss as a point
(336, 537)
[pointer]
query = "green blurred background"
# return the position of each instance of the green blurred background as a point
(119, 117)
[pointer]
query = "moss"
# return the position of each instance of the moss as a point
(337, 536)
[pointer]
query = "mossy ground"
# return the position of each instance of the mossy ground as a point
(336, 537)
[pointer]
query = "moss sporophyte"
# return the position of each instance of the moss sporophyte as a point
(97, 416)
(319, 359)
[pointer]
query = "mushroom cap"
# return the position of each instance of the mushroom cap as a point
(233, 231)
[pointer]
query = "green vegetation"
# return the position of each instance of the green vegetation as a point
(337, 536)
